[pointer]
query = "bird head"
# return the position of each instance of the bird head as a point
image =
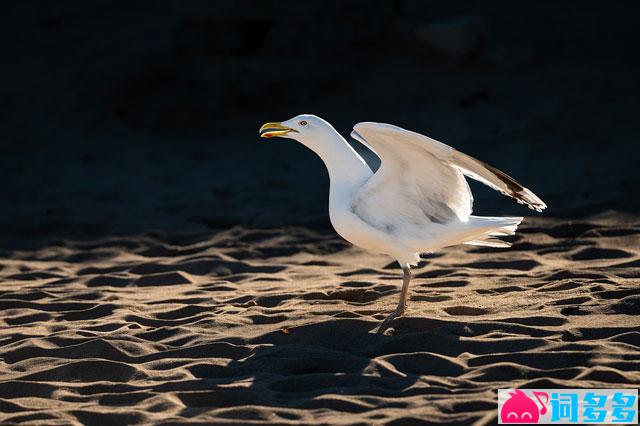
(304, 128)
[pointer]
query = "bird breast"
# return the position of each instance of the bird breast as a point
(352, 228)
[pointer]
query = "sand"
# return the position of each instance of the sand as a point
(277, 326)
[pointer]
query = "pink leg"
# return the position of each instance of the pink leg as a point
(402, 304)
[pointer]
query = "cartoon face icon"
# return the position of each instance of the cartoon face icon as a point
(519, 408)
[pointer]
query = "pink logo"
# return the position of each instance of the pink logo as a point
(519, 408)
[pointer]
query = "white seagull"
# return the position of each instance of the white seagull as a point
(418, 201)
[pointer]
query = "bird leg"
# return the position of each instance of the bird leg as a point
(402, 304)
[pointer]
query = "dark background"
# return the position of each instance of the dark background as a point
(129, 116)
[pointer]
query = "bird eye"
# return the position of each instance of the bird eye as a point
(303, 123)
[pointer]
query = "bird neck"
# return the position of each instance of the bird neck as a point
(344, 164)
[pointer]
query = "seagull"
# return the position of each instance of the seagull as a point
(418, 201)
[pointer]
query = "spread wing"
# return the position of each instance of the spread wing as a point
(414, 186)
(420, 180)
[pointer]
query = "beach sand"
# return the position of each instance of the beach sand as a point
(276, 326)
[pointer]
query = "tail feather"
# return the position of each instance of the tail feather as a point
(495, 227)
(489, 242)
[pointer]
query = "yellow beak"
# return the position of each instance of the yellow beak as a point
(269, 130)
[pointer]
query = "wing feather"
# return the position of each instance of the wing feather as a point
(497, 180)
(410, 153)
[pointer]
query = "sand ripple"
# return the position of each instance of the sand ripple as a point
(275, 327)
